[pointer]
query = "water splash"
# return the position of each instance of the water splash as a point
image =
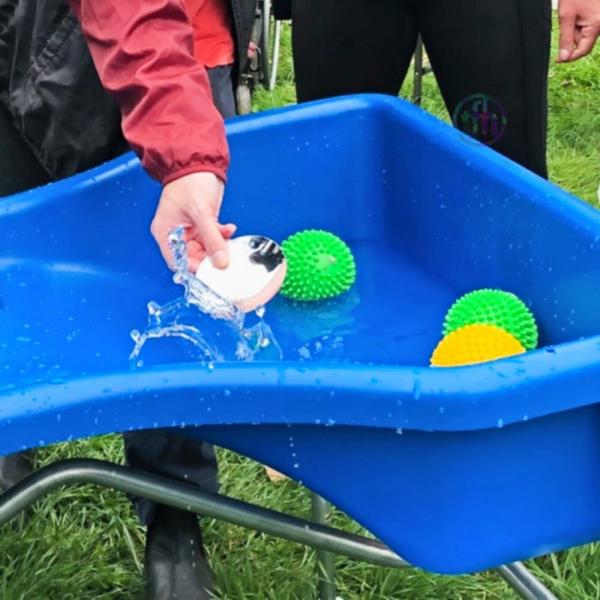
(214, 329)
(196, 292)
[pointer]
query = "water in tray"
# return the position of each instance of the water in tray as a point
(211, 328)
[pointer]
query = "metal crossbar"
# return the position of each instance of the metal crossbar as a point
(187, 497)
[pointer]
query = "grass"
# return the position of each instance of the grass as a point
(85, 543)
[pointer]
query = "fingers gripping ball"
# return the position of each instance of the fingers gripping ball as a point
(494, 307)
(475, 344)
(320, 265)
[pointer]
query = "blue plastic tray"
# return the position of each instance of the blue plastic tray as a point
(456, 469)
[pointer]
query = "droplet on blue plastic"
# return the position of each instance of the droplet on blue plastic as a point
(417, 389)
(304, 352)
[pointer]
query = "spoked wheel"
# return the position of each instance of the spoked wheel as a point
(264, 62)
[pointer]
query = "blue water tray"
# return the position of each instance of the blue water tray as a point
(456, 469)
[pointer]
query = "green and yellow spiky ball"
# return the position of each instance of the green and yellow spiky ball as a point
(494, 307)
(320, 265)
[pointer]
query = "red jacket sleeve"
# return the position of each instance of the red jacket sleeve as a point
(143, 52)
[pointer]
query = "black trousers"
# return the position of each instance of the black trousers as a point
(499, 48)
(162, 451)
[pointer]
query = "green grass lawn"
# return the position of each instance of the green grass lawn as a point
(86, 544)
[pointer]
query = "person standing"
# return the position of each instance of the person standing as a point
(490, 58)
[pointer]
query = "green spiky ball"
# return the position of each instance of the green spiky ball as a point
(494, 307)
(320, 265)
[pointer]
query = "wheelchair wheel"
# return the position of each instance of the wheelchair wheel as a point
(243, 99)
(264, 62)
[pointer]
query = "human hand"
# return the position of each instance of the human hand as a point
(193, 202)
(579, 28)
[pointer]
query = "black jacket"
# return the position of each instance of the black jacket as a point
(50, 86)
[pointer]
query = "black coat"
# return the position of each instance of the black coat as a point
(50, 86)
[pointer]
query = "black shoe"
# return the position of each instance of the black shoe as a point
(176, 567)
(13, 468)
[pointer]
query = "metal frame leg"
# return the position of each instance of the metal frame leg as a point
(276, 53)
(187, 497)
(418, 73)
(524, 582)
(325, 560)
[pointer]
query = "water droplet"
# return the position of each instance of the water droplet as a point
(417, 389)
(304, 352)
(153, 308)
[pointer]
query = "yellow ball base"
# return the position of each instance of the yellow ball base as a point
(474, 344)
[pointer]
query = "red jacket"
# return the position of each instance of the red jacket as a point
(143, 52)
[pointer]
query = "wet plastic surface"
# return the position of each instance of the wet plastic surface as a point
(456, 469)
